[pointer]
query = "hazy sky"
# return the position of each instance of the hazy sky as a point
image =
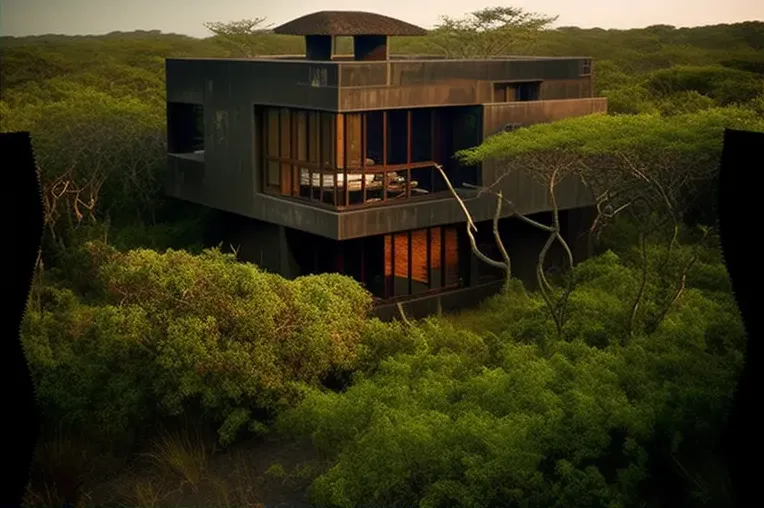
(33, 17)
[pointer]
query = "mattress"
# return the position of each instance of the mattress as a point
(328, 179)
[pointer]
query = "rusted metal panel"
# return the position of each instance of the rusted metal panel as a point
(288, 83)
(497, 116)
(185, 178)
(363, 74)
(453, 93)
(423, 72)
(566, 88)
(428, 72)
(184, 81)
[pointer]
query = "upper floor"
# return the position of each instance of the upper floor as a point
(303, 141)
(347, 86)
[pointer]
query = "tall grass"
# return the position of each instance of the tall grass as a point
(239, 489)
(58, 471)
(183, 455)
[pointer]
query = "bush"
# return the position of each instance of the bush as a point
(484, 419)
(174, 332)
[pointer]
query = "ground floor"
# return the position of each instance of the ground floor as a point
(428, 269)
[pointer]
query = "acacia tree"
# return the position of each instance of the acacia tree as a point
(646, 166)
(549, 169)
(487, 32)
(244, 36)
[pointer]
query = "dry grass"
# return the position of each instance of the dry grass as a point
(58, 472)
(146, 493)
(183, 455)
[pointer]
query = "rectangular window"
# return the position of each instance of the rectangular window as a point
(436, 265)
(528, 91)
(314, 136)
(274, 174)
(414, 261)
(285, 134)
(499, 92)
(586, 67)
(388, 155)
(185, 127)
(328, 138)
(420, 267)
(272, 132)
(292, 146)
(451, 250)
(353, 132)
(301, 135)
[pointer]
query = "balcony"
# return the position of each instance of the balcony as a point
(345, 161)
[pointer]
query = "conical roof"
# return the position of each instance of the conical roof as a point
(347, 23)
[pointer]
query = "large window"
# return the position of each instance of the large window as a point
(352, 159)
(390, 266)
(421, 261)
(511, 92)
(298, 153)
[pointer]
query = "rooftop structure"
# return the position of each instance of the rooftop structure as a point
(370, 33)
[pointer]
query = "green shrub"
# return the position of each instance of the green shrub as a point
(174, 331)
(485, 419)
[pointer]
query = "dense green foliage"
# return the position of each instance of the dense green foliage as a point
(493, 407)
(171, 332)
(503, 414)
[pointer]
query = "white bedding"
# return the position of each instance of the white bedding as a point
(328, 179)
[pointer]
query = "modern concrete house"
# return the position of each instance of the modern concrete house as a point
(326, 162)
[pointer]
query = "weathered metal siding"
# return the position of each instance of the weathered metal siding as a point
(453, 93)
(566, 88)
(428, 72)
(497, 115)
(185, 178)
(228, 90)
(400, 84)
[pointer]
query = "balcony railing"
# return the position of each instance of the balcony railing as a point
(362, 186)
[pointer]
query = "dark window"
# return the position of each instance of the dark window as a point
(528, 91)
(185, 127)
(511, 92)
(586, 67)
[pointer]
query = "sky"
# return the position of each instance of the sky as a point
(82, 17)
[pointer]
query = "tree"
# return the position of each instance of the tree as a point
(648, 166)
(243, 36)
(488, 32)
(98, 156)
